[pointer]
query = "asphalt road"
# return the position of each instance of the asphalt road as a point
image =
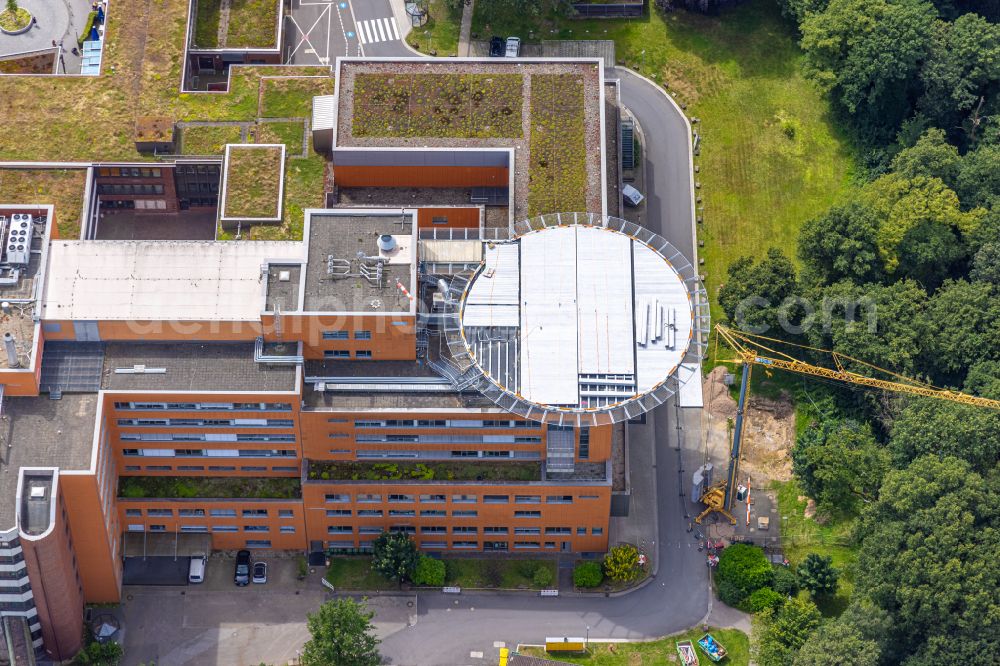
(320, 31)
(467, 629)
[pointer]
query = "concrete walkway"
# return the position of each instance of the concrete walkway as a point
(465, 34)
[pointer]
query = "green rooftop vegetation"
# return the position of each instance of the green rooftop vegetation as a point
(437, 105)
(241, 24)
(287, 132)
(208, 139)
(170, 487)
(558, 147)
(252, 182)
(288, 97)
(429, 471)
(63, 188)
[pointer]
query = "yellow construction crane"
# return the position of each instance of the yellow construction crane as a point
(759, 350)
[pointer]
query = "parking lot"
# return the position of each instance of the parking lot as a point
(219, 624)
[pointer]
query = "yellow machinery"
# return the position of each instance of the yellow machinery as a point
(759, 350)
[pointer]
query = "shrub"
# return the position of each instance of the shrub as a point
(622, 563)
(429, 571)
(745, 567)
(100, 654)
(542, 576)
(588, 574)
(394, 555)
(730, 593)
(785, 581)
(764, 598)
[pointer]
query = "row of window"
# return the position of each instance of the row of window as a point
(343, 353)
(445, 439)
(210, 453)
(129, 172)
(495, 531)
(211, 468)
(342, 335)
(207, 406)
(210, 423)
(202, 437)
(128, 188)
(363, 498)
(214, 513)
(438, 455)
(438, 423)
(204, 529)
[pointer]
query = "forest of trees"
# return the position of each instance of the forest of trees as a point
(914, 257)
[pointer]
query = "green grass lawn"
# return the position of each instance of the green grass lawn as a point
(208, 139)
(801, 536)
(355, 573)
(655, 653)
(440, 33)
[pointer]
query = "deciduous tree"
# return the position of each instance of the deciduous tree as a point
(840, 244)
(622, 563)
(395, 556)
(840, 465)
(342, 634)
(816, 574)
(755, 291)
(778, 634)
(837, 643)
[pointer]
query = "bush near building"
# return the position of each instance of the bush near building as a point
(621, 564)
(395, 556)
(764, 598)
(430, 572)
(588, 574)
(743, 569)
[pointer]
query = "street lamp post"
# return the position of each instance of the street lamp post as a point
(586, 641)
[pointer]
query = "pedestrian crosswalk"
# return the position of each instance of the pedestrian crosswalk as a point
(377, 30)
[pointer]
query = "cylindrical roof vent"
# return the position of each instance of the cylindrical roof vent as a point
(386, 243)
(11, 349)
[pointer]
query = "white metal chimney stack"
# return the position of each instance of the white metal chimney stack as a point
(11, 347)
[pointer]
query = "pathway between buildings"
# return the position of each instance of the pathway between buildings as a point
(465, 34)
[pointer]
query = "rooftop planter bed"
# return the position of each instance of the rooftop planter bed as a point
(61, 187)
(558, 146)
(429, 471)
(228, 487)
(253, 182)
(468, 106)
(251, 24)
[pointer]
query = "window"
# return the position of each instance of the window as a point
(157, 468)
(432, 514)
(495, 530)
(527, 499)
(439, 220)
(159, 512)
(527, 531)
(405, 529)
(334, 335)
(336, 498)
(369, 498)
(465, 544)
(157, 528)
(258, 543)
(221, 468)
(333, 513)
(496, 499)
(597, 531)
(130, 452)
(465, 530)
(225, 528)
(368, 424)
(339, 529)
(369, 529)
(362, 335)
(558, 499)
(464, 454)
(400, 498)
(191, 513)
(433, 545)
(193, 528)
(190, 468)
(336, 353)
(439, 423)
(527, 514)
(464, 514)
(286, 513)
(550, 544)
(525, 545)
(581, 531)
(584, 443)
(222, 513)
(432, 499)
(363, 353)
(558, 530)
(433, 529)
(284, 469)
(132, 468)
(133, 512)
(369, 513)
(463, 499)
(498, 454)
(255, 513)
(396, 513)
(256, 528)
(288, 529)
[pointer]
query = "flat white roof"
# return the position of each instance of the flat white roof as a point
(160, 280)
(600, 317)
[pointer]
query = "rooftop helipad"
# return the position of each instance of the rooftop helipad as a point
(581, 315)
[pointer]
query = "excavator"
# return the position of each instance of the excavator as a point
(758, 350)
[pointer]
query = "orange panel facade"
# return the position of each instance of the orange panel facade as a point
(386, 337)
(450, 217)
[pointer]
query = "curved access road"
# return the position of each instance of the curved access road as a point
(466, 629)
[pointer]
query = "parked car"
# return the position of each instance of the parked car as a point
(631, 196)
(260, 572)
(513, 47)
(243, 562)
(196, 570)
(496, 47)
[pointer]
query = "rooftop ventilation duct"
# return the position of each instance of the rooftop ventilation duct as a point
(11, 348)
(386, 243)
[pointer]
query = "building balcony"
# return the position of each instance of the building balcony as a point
(209, 487)
(494, 471)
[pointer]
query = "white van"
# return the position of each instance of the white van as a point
(196, 571)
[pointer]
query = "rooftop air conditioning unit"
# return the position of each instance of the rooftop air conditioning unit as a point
(18, 247)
